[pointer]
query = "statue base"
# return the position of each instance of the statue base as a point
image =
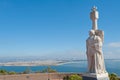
(93, 76)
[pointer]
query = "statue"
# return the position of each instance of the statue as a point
(94, 43)
(94, 46)
(95, 54)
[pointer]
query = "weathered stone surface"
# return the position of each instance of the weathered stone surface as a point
(94, 46)
(94, 43)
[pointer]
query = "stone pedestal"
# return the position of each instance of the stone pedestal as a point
(93, 76)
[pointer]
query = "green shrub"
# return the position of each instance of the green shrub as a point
(72, 77)
(113, 76)
(11, 73)
(75, 77)
(48, 70)
(66, 78)
(27, 71)
(3, 72)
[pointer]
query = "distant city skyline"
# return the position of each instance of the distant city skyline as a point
(56, 28)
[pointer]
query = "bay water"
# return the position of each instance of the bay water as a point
(112, 66)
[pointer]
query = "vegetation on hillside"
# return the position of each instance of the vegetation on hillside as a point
(48, 70)
(4, 72)
(27, 71)
(73, 77)
(113, 76)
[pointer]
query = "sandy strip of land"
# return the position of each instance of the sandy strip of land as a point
(31, 63)
(35, 76)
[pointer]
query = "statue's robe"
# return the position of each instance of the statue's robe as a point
(95, 55)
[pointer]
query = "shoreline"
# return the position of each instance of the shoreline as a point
(33, 63)
(38, 63)
(41, 63)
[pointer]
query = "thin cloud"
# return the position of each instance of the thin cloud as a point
(112, 50)
(114, 44)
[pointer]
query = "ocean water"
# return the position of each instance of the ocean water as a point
(112, 66)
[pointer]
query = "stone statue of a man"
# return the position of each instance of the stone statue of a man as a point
(94, 53)
(94, 43)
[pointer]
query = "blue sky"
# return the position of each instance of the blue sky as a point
(56, 28)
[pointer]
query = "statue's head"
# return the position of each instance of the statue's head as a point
(91, 32)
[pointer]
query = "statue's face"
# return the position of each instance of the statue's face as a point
(92, 33)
